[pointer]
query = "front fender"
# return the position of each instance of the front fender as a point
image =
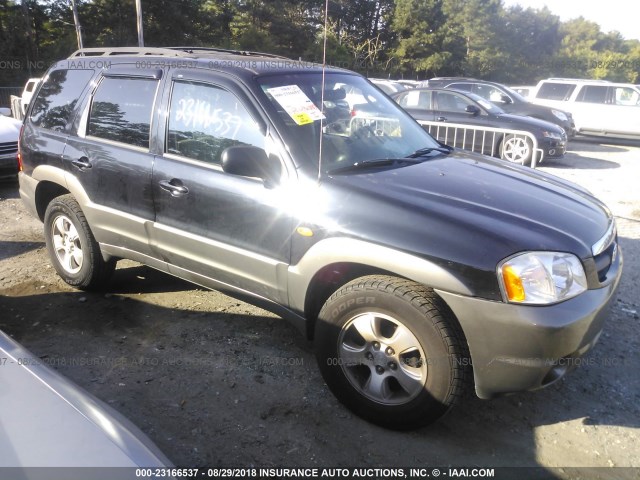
(349, 250)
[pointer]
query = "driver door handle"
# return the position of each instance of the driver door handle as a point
(82, 163)
(174, 187)
(441, 119)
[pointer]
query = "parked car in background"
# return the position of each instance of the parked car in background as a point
(388, 86)
(9, 133)
(452, 106)
(409, 83)
(599, 107)
(47, 421)
(507, 99)
(27, 93)
(524, 90)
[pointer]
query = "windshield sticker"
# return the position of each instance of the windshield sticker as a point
(294, 101)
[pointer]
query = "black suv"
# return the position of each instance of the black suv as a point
(413, 266)
(507, 99)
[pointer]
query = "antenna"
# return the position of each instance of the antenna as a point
(324, 65)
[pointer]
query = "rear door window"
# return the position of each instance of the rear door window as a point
(593, 94)
(416, 99)
(467, 87)
(121, 110)
(57, 99)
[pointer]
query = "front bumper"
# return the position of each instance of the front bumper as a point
(27, 189)
(522, 347)
(554, 148)
(8, 166)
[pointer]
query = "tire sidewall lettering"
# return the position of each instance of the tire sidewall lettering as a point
(343, 307)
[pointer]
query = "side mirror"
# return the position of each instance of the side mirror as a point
(5, 111)
(504, 99)
(472, 110)
(249, 161)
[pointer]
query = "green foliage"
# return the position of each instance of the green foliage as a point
(390, 38)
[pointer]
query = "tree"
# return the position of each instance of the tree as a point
(529, 39)
(426, 43)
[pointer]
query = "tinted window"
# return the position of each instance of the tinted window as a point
(488, 92)
(450, 102)
(461, 86)
(204, 120)
(416, 99)
(58, 97)
(555, 91)
(121, 110)
(626, 96)
(593, 94)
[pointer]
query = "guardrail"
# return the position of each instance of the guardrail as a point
(510, 145)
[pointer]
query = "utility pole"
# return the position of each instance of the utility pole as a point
(139, 15)
(76, 22)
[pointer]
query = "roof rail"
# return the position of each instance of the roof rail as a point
(113, 51)
(578, 80)
(166, 51)
(245, 53)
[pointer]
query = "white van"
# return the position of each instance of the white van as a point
(27, 93)
(599, 107)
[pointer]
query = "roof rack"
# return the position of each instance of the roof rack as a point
(246, 53)
(578, 80)
(167, 52)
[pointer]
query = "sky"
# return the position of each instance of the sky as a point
(621, 15)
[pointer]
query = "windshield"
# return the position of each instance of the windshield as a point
(515, 94)
(486, 104)
(356, 123)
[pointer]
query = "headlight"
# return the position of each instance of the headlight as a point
(554, 135)
(560, 115)
(540, 278)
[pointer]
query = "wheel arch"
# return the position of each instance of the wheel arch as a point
(333, 262)
(47, 191)
(328, 280)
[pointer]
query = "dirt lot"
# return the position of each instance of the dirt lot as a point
(217, 382)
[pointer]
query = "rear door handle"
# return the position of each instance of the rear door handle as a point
(441, 119)
(82, 163)
(174, 187)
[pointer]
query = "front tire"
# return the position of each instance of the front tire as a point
(73, 250)
(516, 149)
(391, 351)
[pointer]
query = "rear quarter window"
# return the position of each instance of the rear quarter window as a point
(57, 99)
(555, 91)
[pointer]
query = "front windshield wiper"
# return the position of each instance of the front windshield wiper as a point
(421, 152)
(379, 162)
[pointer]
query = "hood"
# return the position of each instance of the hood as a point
(9, 129)
(520, 121)
(468, 209)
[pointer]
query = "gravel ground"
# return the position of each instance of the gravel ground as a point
(216, 382)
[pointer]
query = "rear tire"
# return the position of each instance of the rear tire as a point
(391, 351)
(516, 149)
(74, 251)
